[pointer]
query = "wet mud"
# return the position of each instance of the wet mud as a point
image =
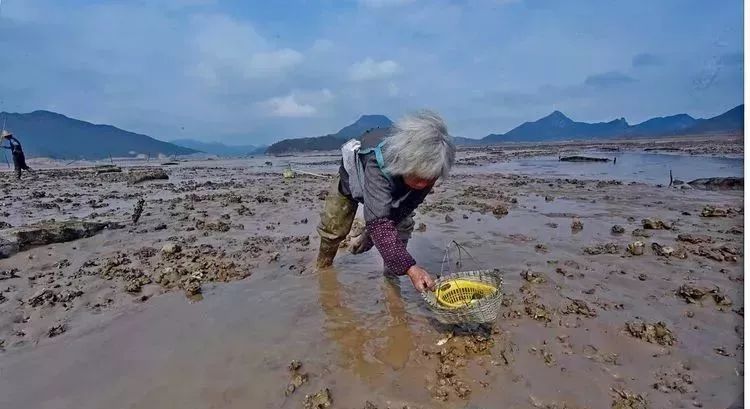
(615, 295)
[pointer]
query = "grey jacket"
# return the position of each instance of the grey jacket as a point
(383, 196)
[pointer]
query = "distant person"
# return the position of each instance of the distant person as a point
(19, 159)
(390, 172)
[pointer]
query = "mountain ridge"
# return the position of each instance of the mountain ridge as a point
(54, 135)
(555, 126)
(50, 134)
(330, 141)
(558, 127)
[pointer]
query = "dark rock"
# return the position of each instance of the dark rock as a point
(727, 183)
(138, 210)
(108, 169)
(692, 294)
(657, 333)
(713, 211)
(694, 238)
(8, 248)
(320, 400)
(628, 400)
(579, 307)
(655, 224)
(576, 225)
(608, 248)
(532, 277)
(58, 232)
(582, 159)
(641, 233)
(143, 175)
(56, 330)
(500, 210)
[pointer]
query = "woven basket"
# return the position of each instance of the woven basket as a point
(482, 311)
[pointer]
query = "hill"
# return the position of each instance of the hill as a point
(49, 134)
(220, 149)
(730, 121)
(558, 127)
(364, 123)
(663, 125)
(330, 141)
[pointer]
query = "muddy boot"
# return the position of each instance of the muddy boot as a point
(326, 254)
(335, 222)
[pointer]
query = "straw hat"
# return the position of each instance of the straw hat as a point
(5, 134)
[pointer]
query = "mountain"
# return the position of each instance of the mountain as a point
(663, 125)
(220, 149)
(730, 121)
(556, 127)
(364, 123)
(49, 134)
(330, 141)
(461, 141)
(317, 143)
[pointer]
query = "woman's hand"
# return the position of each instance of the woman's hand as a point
(420, 278)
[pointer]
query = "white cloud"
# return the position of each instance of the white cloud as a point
(369, 69)
(226, 46)
(384, 3)
(289, 107)
(297, 104)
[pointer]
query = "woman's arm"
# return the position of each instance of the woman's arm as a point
(382, 229)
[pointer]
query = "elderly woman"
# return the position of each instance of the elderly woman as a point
(390, 172)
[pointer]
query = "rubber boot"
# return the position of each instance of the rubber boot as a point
(326, 254)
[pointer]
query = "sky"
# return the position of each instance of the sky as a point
(253, 72)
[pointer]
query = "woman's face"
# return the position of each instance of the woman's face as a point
(418, 183)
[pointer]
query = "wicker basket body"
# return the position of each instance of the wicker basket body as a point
(483, 311)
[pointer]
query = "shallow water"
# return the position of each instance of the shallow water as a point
(652, 168)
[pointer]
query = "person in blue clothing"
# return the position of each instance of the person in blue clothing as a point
(19, 159)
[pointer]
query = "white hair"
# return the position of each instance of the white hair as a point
(419, 146)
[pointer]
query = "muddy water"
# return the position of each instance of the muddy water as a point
(363, 337)
(639, 167)
(352, 330)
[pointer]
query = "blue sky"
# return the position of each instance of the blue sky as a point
(258, 71)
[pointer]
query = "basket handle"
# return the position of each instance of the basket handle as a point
(460, 248)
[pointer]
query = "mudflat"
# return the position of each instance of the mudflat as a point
(617, 294)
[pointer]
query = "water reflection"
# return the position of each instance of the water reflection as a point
(370, 343)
